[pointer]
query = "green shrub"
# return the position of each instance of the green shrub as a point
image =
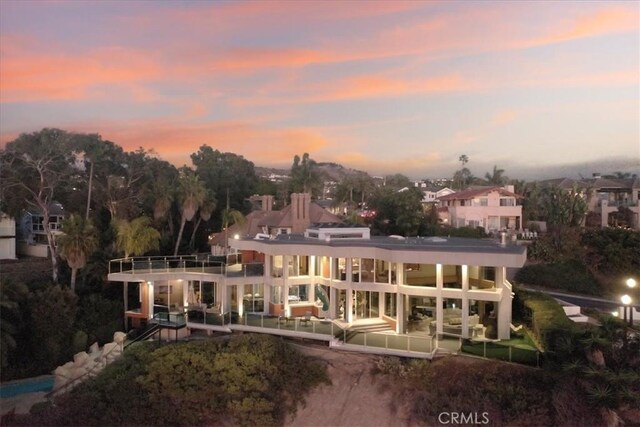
(571, 276)
(245, 380)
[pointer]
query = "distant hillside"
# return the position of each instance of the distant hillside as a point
(329, 171)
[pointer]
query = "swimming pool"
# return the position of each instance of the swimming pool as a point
(26, 386)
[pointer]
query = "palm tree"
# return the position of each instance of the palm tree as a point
(163, 193)
(229, 217)
(206, 210)
(192, 194)
(77, 241)
(497, 177)
(136, 237)
(464, 159)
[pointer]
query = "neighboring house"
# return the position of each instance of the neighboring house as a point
(294, 218)
(32, 239)
(7, 237)
(333, 283)
(430, 195)
(604, 196)
(492, 208)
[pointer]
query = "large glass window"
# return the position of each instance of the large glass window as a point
(482, 277)
(276, 295)
(390, 305)
(367, 273)
(452, 317)
(298, 293)
(452, 276)
(339, 269)
(276, 266)
(420, 275)
(298, 265)
(382, 271)
(253, 298)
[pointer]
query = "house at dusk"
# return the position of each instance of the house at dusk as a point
(331, 282)
(605, 197)
(493, 208)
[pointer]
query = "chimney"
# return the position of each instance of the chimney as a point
(266, 202)
(300, 209)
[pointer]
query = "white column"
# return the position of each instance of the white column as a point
(223, 296)
(381, 299)
(285, 279)
(267, 297)
(185, 291)
(400, 311)
(333, 302)
(465, 301)
(240, 299)
(348, 310)
(150, 298)
(349, 269)
(439, 300)
(504, 306)
(125, 293)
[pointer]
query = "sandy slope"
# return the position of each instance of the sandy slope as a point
(355, 397)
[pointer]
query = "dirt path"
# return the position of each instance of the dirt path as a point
(355, 397)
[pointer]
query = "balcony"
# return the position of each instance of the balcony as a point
(184, 263)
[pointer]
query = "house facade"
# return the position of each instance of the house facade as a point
(335, 283)
(492, 208)
(31, 236)
(611, 200)
(7, 237)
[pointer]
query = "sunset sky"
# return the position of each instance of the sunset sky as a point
(384, 87)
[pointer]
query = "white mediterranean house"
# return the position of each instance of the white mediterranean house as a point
(492, 208)
(334, 283)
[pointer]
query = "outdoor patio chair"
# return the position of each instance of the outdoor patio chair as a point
(307, 318)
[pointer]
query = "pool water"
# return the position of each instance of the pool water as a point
(26, 386)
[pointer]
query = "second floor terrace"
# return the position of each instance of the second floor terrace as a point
(128, 268)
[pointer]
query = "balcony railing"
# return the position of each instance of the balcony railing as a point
(184, 263)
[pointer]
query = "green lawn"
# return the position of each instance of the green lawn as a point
(519, 349)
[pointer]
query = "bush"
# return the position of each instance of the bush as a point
(546, 318)
(245, 380)
(571, 276)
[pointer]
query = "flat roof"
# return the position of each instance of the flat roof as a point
(431, 243)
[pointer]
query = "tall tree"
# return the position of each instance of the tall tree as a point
(220, 171)
(229, 217)
(136, 237)
(496, 177)
(304, 176)
(76, 243)
(206, 210)
(191, 194)
(34, 169)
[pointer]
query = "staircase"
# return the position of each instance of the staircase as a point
(367, 325)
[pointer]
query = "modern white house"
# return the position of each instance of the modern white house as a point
(334, 283)
(7, 237)
(493, 208)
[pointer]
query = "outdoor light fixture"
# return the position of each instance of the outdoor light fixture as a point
(631, 283)
(614, 313)
(236, 236)
(626, 300)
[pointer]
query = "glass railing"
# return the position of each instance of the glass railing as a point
(185, 263)
(408, 343)
(292, 323)
(207, 317)
(172, 320)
